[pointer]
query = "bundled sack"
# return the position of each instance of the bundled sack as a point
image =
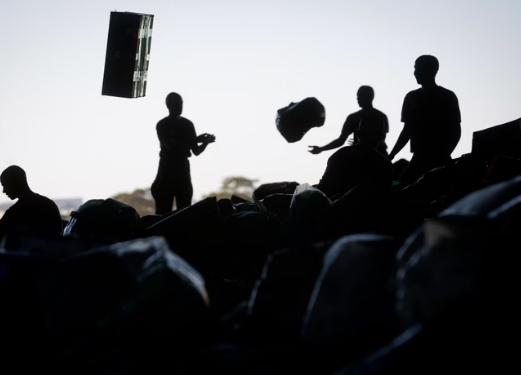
(249, 235)
(433, 351)
(456, 296)
(485, 203)
(277, 204)
(133, 302)
(98, 218)
(296, 119)
(412, 352)
(502, 139)
(274, 188)
(194, 232)
(281, 295)
(57, 248)
(447, 272)
(502, 168)
(352, 302)
(21, 321)
(307, 202)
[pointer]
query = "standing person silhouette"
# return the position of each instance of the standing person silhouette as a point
(432, 122)
(365, 97)
(177, 138)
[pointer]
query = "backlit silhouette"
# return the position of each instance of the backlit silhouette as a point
(33, 214)
(431, 118)
(177, 138)
(359, 164)
(365, 98)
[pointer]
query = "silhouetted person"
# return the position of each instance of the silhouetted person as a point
(365, 96)
(431, 118)
(177, 138)
(359, 164)
(33, 214)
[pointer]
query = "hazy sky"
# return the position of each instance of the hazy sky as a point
(235, 63)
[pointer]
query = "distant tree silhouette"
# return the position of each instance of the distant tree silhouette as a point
(143, 202)
(140, 199)
(236, 185)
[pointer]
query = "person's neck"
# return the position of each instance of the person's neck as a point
(429, 85)
(366, 107)
(25, 193)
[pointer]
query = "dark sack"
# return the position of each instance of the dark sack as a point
(294, 121)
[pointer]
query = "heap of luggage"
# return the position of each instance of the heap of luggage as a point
(414, 281)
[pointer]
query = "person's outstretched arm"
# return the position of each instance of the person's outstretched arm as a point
(404, 137)
(330, 146)
(347, 129)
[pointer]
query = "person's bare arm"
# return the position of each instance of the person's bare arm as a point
(330, 146)
(205, 140)
(404, 137)
(347, 130)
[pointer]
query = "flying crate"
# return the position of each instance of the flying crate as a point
(128, 55)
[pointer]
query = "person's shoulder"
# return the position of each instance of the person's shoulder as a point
(352, 120)
(13, 208)
(184, 120)
(343, 151)
(43, 201)
(355, 115)
(413, 93)
(185, 123)
(446, 92)
(162, 123)
(379, 113)
(43, 198)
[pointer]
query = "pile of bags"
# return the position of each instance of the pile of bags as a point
(416, 280)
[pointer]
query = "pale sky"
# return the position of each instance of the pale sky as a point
(235, 63)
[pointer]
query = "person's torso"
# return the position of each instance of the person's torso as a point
(180, 135)
(356, 117)
(35, 215)
(353, 165)
(433, 116)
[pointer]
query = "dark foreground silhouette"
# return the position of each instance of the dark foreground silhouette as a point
(178, 139)
(32, 214)
(375, 278)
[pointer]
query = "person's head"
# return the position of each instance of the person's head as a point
(365, 96)
(174, 103)
(371, 131)
(14, 182)
(425, 69)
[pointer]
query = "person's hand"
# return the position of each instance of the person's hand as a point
(206, 138)
(315, 150)
(209, 138)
